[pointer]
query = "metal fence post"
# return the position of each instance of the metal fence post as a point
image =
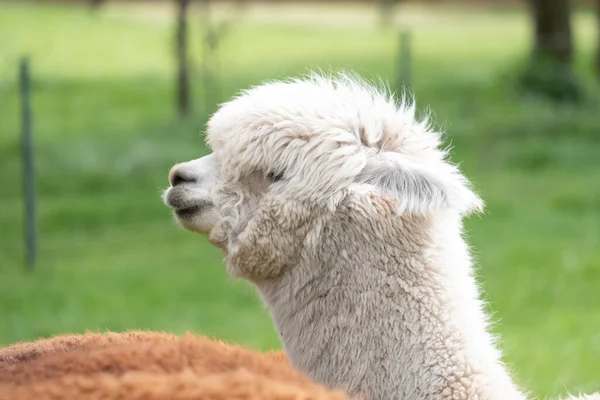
(404, 59)
(28, 167)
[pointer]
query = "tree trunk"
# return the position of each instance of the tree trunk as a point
(96, 3)
(550, 72)
(183, 84)
(386, 12)
(553, 35)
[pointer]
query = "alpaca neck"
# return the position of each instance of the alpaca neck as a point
(387, 314)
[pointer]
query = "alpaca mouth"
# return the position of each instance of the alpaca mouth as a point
(198, 208)
(186, 212)
(185, 205)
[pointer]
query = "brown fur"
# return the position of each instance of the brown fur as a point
(151, 354)
(68, 342)
(278, 356)
(152, 366)
(238, 384)
(65, 343)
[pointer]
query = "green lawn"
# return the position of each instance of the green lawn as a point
(111, 256)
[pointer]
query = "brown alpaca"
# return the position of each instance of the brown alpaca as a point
(185, 385)
(153, 366)
(119, 353)
(66, 343)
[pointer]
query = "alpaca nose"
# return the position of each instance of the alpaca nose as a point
(177, 176)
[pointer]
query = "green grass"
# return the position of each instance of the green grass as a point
(111, 257)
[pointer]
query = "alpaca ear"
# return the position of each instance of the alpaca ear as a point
(423, 186)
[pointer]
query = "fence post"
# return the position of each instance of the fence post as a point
(183, 80)
(386, 12)
(28, 167)
(404, 59)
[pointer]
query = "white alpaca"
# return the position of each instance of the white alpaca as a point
(344, 213)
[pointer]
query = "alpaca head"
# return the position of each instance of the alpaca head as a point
(313, 141)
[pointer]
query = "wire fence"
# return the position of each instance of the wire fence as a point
(207, 68)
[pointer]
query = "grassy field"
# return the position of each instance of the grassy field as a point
(111, 257)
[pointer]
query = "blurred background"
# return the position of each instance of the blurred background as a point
(112, 93)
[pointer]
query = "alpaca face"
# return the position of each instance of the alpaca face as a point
(192, 190)
(190, 193)
(311, 141)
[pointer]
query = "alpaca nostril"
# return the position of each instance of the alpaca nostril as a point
(178, 178)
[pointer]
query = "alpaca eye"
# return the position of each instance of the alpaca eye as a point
(274, 177)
